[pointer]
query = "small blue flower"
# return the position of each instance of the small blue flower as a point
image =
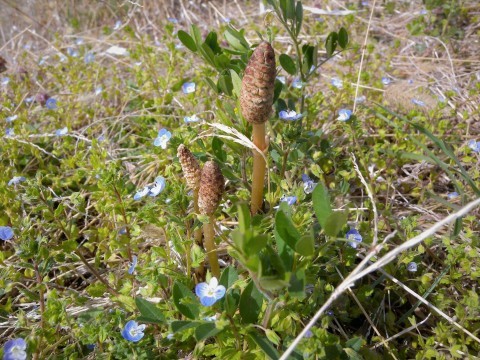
(344, 115)
(297, 83)
(140, 194)
(452, 195)
(354, 236)
(361, 99)
(11, 118)
(191, 119)
(188, 87)
(72, 52)
(162, 138)
(386, 80)
(51, 103)
(91, 346)
(15, 349)
(281, 79)
(312, 69)
(210, 318)
(6, 233)
(418, 102)
(474, 145)
(226, 20)
(305, 178)
(123, 230)
(290, 200)
(29, 99)
(132, 331)
(118, 25)
(289, 115)
(5, 80)
(98, 90)
(210, 293)
(133, 264)
(89, 58)
(308, 184)
(337, 83)
(329, 312)
(308, 334)
(61, 132)
(79, 41)
(172, 20)
(16, 180)
(158, 187)
(9, 132)
(170, 336)
(412, 267)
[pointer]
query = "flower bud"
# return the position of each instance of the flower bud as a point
(190, 167)
(258, 85)
(212, 185)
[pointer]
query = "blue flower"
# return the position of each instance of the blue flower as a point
(122, 230)
(11, 118)
(344, 115)
(79, 41)
(474, 145)
(191, 119)
(162, 138)
(308, 184)
(15, 349)
(61, 132)
(452, 195)
(157, 187)
(289, 115)
(118, 25)
(290, 200)
(418, 102)
(72, 52)
(308, 334)
(188, 87)
(354, 236)
(6, 233)
(297, 83)
(386, 80)
(51, 104)
(89, 58)
(9, 132)
(132, 331)
(172, 20)
(361, 99)
(412, 267)
(16, 180)
(140, 194)
(5, 80)
(98, 90)
(210, 318)
(210, 293)
(133, 264)
(337, 83)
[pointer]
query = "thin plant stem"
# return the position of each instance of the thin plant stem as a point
(259, 168)
(209, 236)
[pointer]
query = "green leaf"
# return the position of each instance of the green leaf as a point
(331, 43)
(197, 36)
(321, 204)
(187, 40)
(228, 277)
(237, 83)
(244, 218)
(232, 299)
(355, 343)
(217, 148)
(251, 302)
(305, 245)
(236, 39)
(206, 331)
(299, 16)
(150, 313)
(297, 284)
(277, 90)
(212, 42)
(182, 325)
(265, 345)
(291, 9)
(343, 38)
(255, 244)
(225, 84)
(283, 7)
(286, 229)
(212, 85)
(335, 222)
(288, 64)
(185, 301)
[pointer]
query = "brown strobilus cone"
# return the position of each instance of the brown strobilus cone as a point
(256, 100)
(192, 172)
(212, 186)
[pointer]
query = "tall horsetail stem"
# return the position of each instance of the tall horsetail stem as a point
(256, 100)
(212, 186)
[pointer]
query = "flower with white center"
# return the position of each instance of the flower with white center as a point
(72, 52)
(297, 83)
(9, 132)
(5, 81)
(386, 80)
(361, 99)
(132, 331)
(15, 349)
(89, 58)
(344, 115)
(474, 145)
(172, 20)
(452, 195)
(133, 264)
(210, 293)
(188, 87)
(354, 237)
(61, 132)
(289, 115)
(16, 180)
(118, 25)
(51, 103)
(308, 184)
(117, 50)
(11, 118)
(162, 138)
(191, 119)
(98, 90)
(337, 83)
(158, 187)
(412, 267)
(290, 200)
